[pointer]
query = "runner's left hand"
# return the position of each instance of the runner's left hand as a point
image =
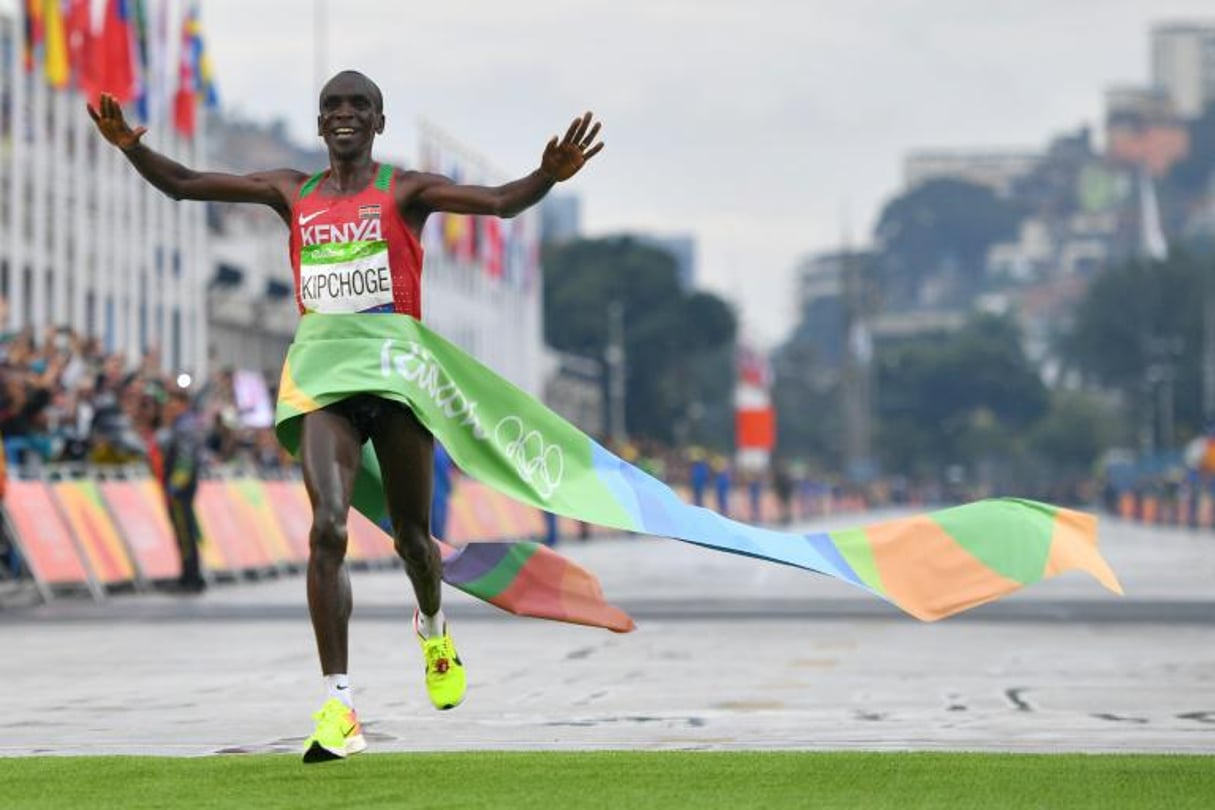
(562, 160)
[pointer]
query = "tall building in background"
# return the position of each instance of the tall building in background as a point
(1143, 129)
(1183, 64)
(560, 218)
(822, 308)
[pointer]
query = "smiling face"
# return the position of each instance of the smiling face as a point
(351, 115)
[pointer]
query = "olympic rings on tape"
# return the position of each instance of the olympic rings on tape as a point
(540, 464)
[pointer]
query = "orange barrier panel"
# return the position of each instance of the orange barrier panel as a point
(248, 495)
(227, 529)
(1126, 506)
(367, 541)
(94, 531)
(509, 522)
(1150, 510)
(461, 521)
(471, 512)
(43, 536)
(138, 510)
(209, 551)
(1205, 510)
(528, 521)
(289, 501)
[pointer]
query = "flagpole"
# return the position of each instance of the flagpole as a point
(7, 79)
(60, 209)
(82, 258)
(17, 167)
(129, 261)
(145, 331)
(39, 194)
(197, 359)
(107, 218)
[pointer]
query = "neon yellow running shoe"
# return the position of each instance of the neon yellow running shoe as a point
(445, 679)
(338, 733)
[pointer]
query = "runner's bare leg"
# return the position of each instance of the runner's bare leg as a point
(329, 452)
(405, 451)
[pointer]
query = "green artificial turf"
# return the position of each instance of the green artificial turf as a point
(627, 780)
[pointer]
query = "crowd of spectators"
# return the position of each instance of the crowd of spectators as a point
(64, 400)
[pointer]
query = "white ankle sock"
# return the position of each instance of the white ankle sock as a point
(338, 686)
(430, 626)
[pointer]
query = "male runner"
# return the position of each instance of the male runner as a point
(326, 210)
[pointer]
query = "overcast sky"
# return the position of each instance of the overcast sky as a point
(767, 128)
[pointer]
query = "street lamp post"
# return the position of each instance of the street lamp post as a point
(614, 358)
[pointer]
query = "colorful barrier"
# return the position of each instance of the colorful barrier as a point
(230, 535)
(366, 542)
(105, 554)
(141, 517)
(46, 541)
(248, 497)
(95, 534)
(289, 502)
(469, 514)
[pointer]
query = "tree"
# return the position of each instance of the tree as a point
(668, 333)
(806, 394)
(940, 231)
(1140, 326)
(955, 399)
(1074, 433)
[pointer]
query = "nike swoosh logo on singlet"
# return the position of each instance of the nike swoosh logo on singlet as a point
(304, 220)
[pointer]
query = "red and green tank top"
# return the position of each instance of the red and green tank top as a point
(354, 253)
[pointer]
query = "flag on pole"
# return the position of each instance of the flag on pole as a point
(185, 100)
(195, 81)
(79, 32)
(115, 64)
(58, 71)
(208, 94)
(141, 57)
(34, 35)
(493, 248)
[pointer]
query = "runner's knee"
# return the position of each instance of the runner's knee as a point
(413, 544)
(328, 535)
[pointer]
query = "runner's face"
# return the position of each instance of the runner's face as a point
(349, 120)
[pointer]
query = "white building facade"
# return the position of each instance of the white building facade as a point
(84, 241)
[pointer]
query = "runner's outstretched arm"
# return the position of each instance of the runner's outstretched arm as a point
(561, 161)
(273, 188)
